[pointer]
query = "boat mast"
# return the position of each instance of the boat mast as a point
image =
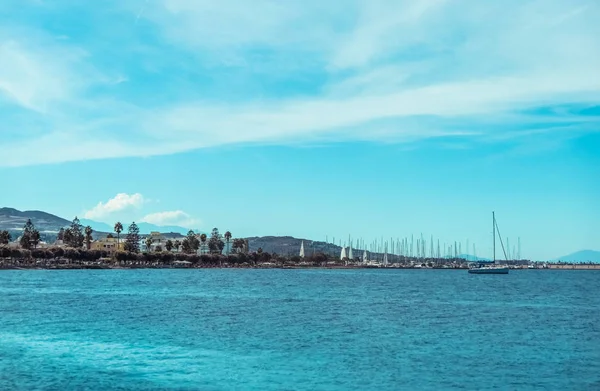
(494, 233)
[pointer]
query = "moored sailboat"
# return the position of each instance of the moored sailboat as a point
(490, 267)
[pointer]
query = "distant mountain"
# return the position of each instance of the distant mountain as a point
(13, 220)
(580, 257)
(290, 246)
(145, 228)
(96, 225)
(284, 245)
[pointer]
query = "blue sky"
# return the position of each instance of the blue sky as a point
(370, 118)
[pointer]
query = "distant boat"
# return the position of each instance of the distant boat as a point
(481, 267)
(488, 269)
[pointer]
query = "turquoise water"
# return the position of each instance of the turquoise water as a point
(299, 330)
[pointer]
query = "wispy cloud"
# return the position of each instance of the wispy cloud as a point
(34, 77)
(201, 74)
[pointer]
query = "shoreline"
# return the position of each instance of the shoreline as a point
(261, 267)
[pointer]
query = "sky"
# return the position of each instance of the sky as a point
(369, 118)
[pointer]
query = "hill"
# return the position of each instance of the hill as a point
(290, 246)
(13, 220)
(580, 257)
(287, 245)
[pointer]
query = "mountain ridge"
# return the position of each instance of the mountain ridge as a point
(145, 228)
(12, 219)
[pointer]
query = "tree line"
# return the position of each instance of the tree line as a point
(189, 245)
(76, 235)
(72, 256)
(28, 240)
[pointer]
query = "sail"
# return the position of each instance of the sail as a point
(385, 256)
(302, 250)
(343, 254)
(365, 256)
(350, 256)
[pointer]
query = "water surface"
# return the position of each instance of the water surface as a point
(299, 330)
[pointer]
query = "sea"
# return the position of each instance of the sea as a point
(248, 329)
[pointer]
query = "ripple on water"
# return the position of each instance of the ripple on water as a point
(298, 329)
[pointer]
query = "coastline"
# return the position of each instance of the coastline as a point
(286, 267)
(59, 258)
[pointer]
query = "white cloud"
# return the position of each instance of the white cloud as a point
(375, 68)
(240, 24)
(65, 147)
(121, 202)
(176, 217)
(383, 27)
(39, 72)
(360, 117)
(201, 125)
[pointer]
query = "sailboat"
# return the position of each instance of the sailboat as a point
(302, 249)
(490, 267)
(343, 254)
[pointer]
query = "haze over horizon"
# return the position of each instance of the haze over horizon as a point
(309, 119)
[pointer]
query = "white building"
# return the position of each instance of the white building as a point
(159, 242)
(203, 249)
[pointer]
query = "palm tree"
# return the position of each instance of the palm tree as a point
(177, 244)
(118, 230)
(227, 235)
(203, 238)
(88, 236)
(169, 245)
